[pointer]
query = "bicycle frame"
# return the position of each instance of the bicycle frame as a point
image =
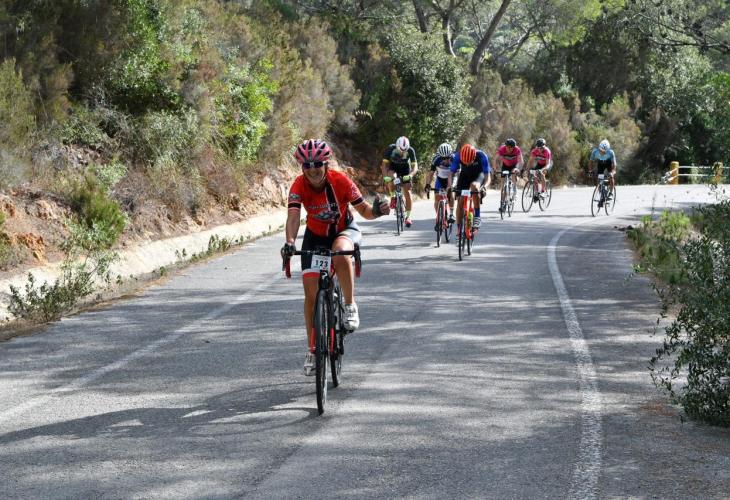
(466, 234)
(400, 205)
(442, 222)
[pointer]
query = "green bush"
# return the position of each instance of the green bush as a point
(97, 212)
(659, 245)
(85, 264)
(693, 364)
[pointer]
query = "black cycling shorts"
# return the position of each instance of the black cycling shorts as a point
(312, 241)
(401, 170)
(467, 177)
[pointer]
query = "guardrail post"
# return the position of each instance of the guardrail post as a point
(674, 167)
(718, 172)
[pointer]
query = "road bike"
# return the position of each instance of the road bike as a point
(603, 196)
(466, 230)
(329, 311)
(400, 206)
(531, 192)
(443, 227)
(508, 195)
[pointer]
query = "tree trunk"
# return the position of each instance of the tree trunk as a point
(448, 42)
(421, 16)
(476, 58)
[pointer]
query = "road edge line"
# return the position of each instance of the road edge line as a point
(587, 469)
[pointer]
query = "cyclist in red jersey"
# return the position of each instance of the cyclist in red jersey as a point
(509, 157)
(541, 159)
(326, 196)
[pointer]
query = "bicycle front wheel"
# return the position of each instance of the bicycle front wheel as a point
(440, 218)
(595, 200)
(610, 202)
(547, 196)
(447, 231)
(461, 243)
(527, 197)
(510, 203)
(321, 354)
(336, 340)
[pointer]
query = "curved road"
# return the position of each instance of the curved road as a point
(518, 373)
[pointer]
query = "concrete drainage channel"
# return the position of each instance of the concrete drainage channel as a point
(146, 260)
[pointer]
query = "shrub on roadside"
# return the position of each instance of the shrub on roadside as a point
(86, 263)
(97, 212)
(693, 363)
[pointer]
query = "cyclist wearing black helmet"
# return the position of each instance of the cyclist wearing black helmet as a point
(509, 158)
(542, 160)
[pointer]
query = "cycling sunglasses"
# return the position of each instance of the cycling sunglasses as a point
(316, 164)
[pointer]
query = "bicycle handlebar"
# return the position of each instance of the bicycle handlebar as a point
(286, 267)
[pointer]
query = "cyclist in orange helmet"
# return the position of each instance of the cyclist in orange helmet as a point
(476, 173)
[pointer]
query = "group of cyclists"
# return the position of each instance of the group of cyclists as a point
(327, 195)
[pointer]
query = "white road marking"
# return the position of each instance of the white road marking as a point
(139, 353)
(588, 467)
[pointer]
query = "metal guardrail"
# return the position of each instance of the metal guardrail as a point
(672, 176)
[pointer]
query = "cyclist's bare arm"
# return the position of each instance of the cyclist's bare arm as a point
(414, 169)
(384, 165)
(429, 178)
(366, 209)
(293, 219)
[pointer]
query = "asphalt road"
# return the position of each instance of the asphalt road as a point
(520, 372)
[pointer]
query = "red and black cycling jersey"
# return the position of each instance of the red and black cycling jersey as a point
(327, 212)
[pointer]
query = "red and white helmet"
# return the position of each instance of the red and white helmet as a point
(403, 143)
(313, 150)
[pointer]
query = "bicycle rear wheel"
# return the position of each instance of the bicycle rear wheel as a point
(595, 200)
(321, 357)
(547, 196)
(527, 197)
(610, 202)
(337, 348)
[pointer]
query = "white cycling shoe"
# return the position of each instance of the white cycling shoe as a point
(352, 318)
(309, 364)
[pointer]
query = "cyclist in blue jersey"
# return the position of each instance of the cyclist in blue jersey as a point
(441, 166)
(476, 173)
(603, 161)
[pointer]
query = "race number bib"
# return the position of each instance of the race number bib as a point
(396, 181)
(465, 192)
(321, 262)
(601, 177)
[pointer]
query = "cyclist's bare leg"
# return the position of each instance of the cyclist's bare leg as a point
(311, 285)
(459, 210)
(475, 186)
(344, 267)
(407, 194)
(451, 201)
(501, 190)
(436, 203)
